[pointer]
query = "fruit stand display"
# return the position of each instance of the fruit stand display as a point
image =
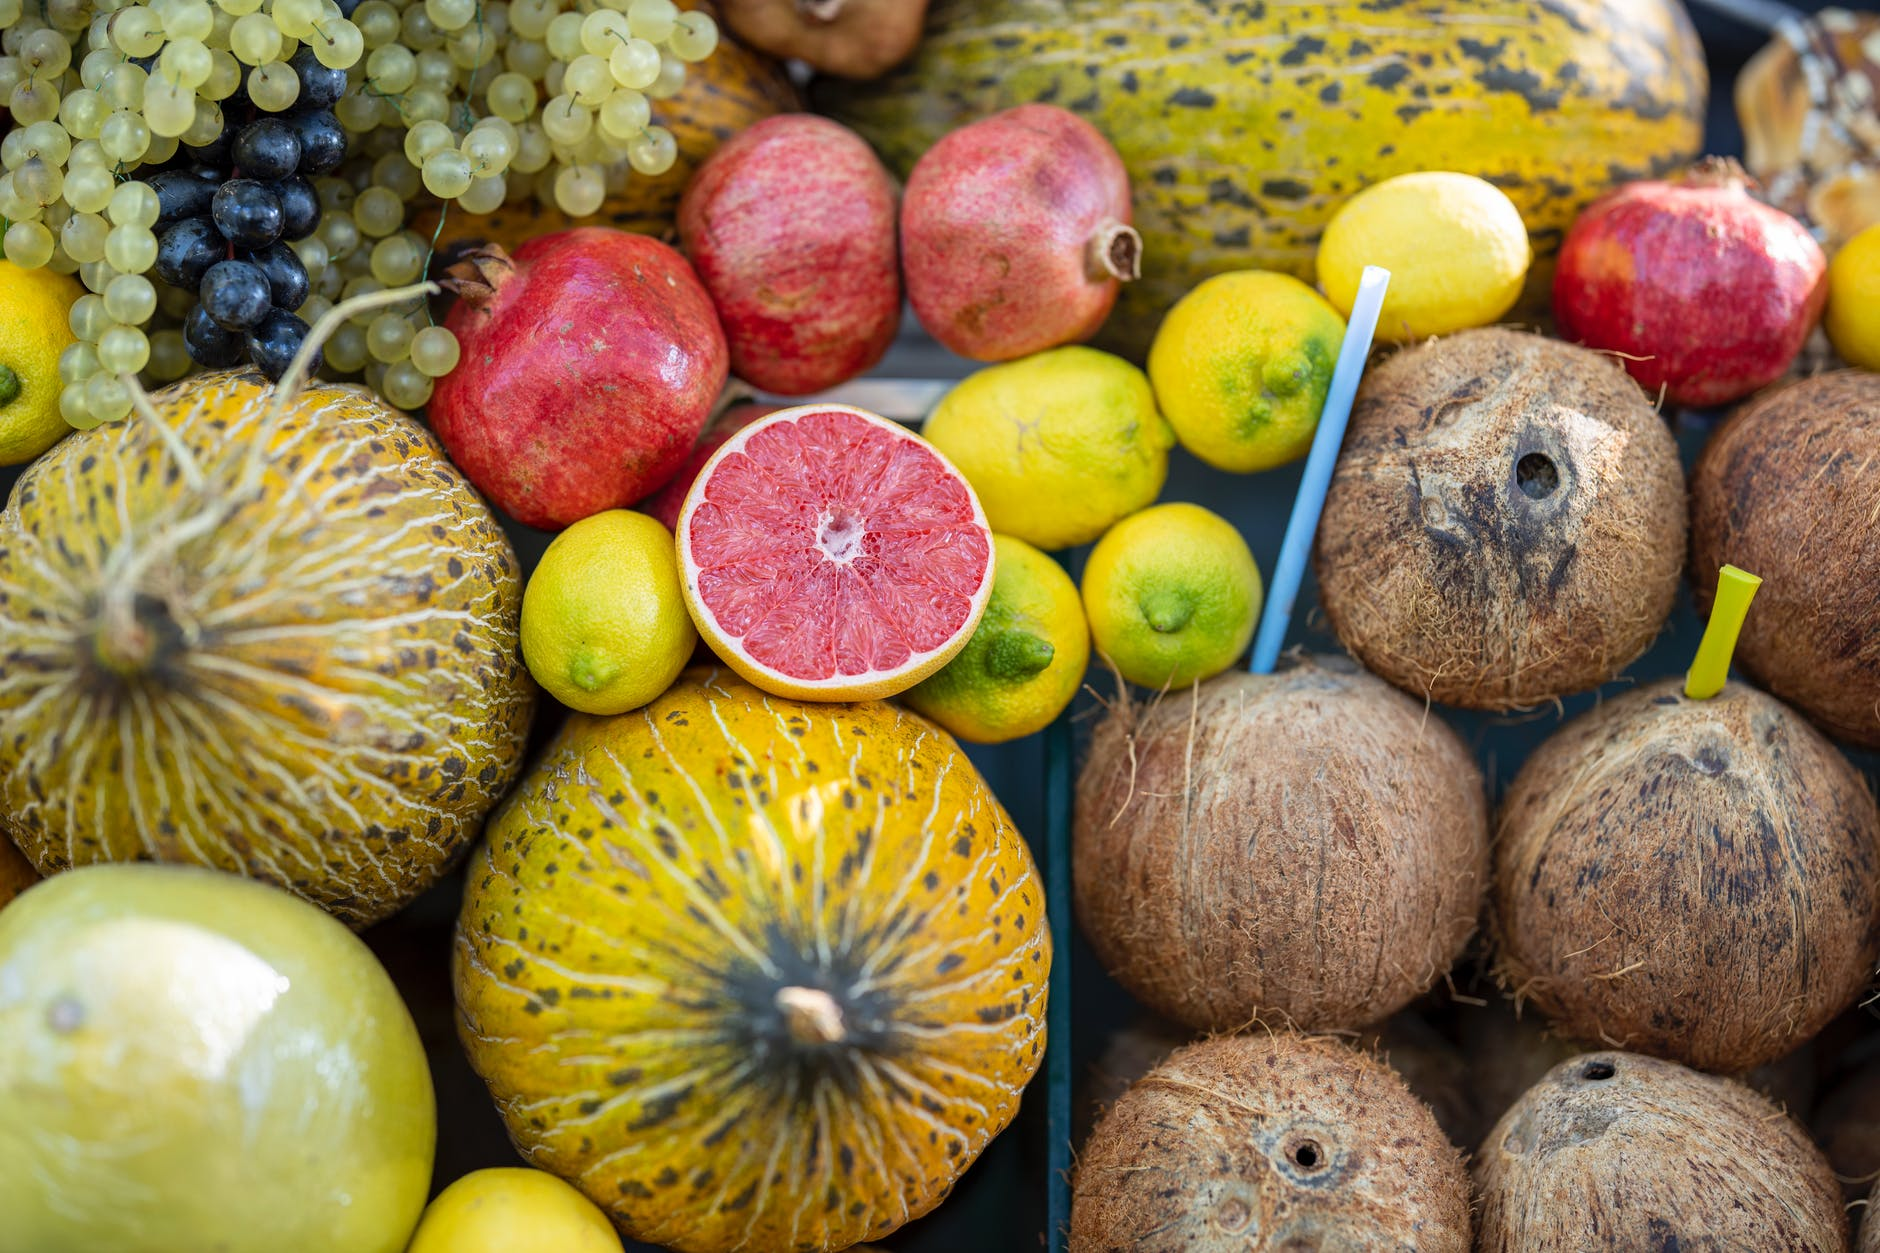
(626, 625)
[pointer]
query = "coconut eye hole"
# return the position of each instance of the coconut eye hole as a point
(1307, 1155)
(1597, 1071)
(1537, 476)
(1233, 1214)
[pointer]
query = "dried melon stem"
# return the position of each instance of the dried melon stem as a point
(811, 1015)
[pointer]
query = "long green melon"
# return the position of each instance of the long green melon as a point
(1246, 124)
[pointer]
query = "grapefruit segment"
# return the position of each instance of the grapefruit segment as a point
(830, 554)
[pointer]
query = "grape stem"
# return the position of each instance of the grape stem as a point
(330, 321)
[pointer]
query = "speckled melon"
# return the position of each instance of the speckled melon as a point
(1246, 123)
(279, 645)
(754, 974)
(16, 873)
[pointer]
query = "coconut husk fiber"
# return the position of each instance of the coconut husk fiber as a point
(1269, 1142)
(1870, 1225)
(1789, 490)
(1506, 522)
(1306, 848)
(1617, 1151)
(1698, 880)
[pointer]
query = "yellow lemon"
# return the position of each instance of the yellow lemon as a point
(1025, 660)
(1454, 244)
(35, 306)
(1057, 446)
(604, 624)
(1241, 365)
(1172, 595)
(1853, 319)
(512, 1209)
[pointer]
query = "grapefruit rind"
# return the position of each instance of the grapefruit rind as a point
(872, 684)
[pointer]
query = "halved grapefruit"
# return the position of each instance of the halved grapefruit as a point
(830, 554)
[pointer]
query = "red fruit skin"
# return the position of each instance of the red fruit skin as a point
(666, 503)
(588, 370)
(791, 225)
(1709, 293)
(996, 233)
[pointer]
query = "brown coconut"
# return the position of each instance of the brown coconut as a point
(1433, 1069)
(1269, 1142)
(1847, 1126)
(1306, 848)
(1127, 1056)
(1506, 522)
(1698, 880)
(1789, 490)
(1617, 1151)
(1870, 1225)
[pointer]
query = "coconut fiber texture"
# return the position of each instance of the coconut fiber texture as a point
(1269, 1142)
(1506, 522)
(1697, 880)
(1789, 489)
(1307, 848)
(1615, 1151)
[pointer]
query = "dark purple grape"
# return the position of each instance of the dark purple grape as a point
(186, 250)
(236, 294)
(300, 207)
(322, 142)
(180, 194)
(266, 149)
(247, 213)
(346, 7)
(287, 277)
(272, 345)
(208, 343)
(320, 86)
(212, 155)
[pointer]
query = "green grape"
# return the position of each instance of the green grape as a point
(330, 282)
(12, 73)
(88, 188)
(363, 285)
(9, 12)
(552, 79)
(425, 138)
(107, 397)
(450, 14)
(225, 75)
(124, 86)
(97, 275)
(34, 100)
(377, 22)
(671, 78)
(419, 30)
(588, 80)
(130, 299)
(86, 153)
(273, 86)
(87, 317)
(424, 104)
(405, 386)
(96, 65)
(532, 148)
(169, 356)
(255, 39)
(191, 20)
(288, 48)
(218, 31)
(206, 126)
(68, 15)
(315, 308)
(391, 69)
(175, 302)
(28, 245)
(434, 351)
(388, 337)
(45, 53)
(565, 121)
(47, 140)
(653, 150)
(374, 375)
(39, 182)
(78, 362)
(435, 69)
(530, 18)
(634, 64)
(472, 49)
(240, 8)
(169, 108)
(312, 253)
(695, 37)
(340, 236)
(379, 211)
(579, 190)
(130, 249)
(186, 62)
(337, 45)
(82, 237)
(511, 96)
(564, 36)
(625, 114)
(397, 175)
(60, 263)
(83, 113)
(136, 31)
(73, 407)
(601, 30)
(296, 17)
(161, 149)
(336, 194)
(447, 174)
(398, 259)
(531, 60)
(346, 350)
(13, 205)
(485, 195)
(134, 203)
(489, 150)
(124, 137)
(359, 112)
(123, 350)
(652, 20)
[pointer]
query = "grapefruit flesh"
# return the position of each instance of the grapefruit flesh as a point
(830, 554)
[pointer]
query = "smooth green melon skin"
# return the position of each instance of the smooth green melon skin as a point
(191, 1062)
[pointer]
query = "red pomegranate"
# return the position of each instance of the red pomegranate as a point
(591, 360)
(666, 503)
(1015, 234)
(791, 228)
(1707, 292)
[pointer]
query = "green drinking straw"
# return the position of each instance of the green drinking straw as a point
(1711, 667)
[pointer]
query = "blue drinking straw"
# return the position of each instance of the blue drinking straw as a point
(1310, 502)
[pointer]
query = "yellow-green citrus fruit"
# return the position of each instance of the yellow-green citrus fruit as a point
(34, 309)
(1057, 446)
(1455, 247)
(1245, 125)
(279, 644)
(512, 1209)
(192, 1061)
(1241, 366)
(1172, 595)
(1853, 318)
(604, 624)
(753, 973)
(1026, 659)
